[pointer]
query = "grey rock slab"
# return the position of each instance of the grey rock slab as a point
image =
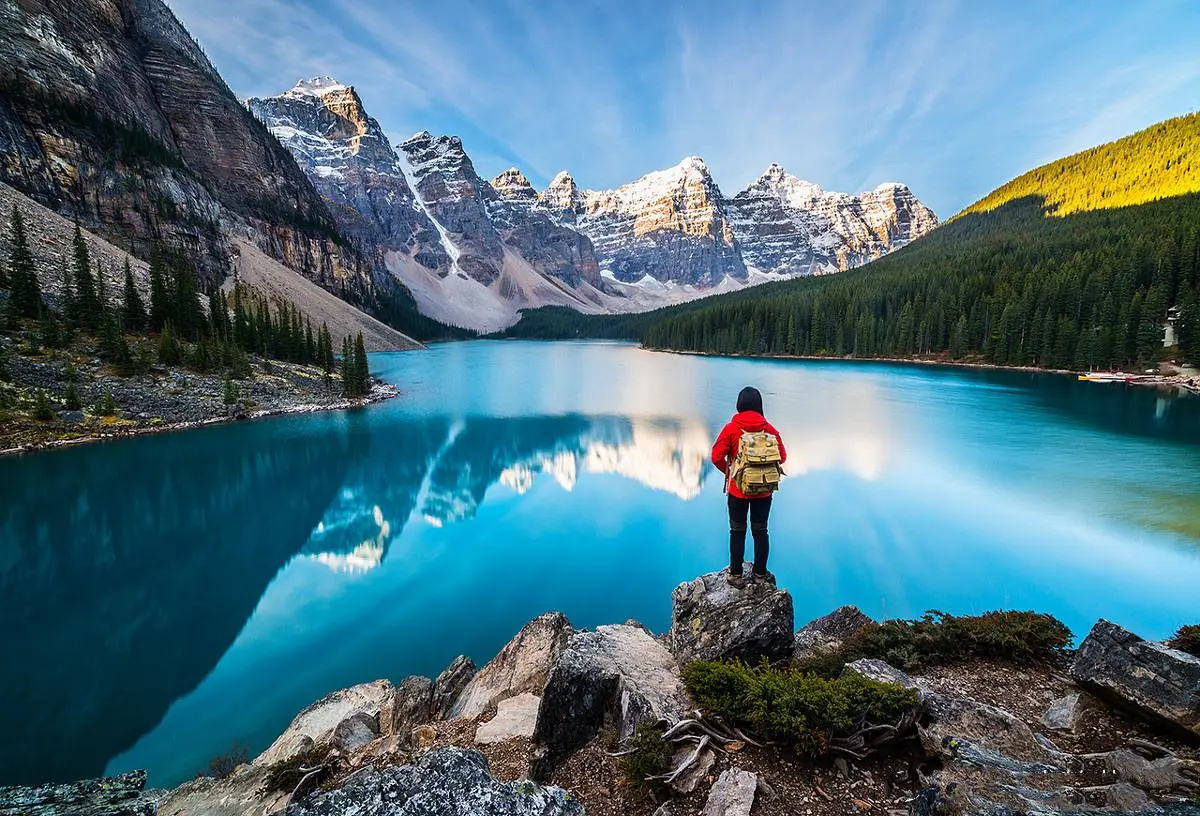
(732, 794)
(122, 795)
(839, 624)
(712, 620)
(239, 794)
(616, 676)
(357, 730)
(1161, 774)
(1161, 683)
(450, 683)
(318, 721)
(445, 782)
(1063, 714)
(523, 665)
(1125, 797)
(412, 704)
(515, 717)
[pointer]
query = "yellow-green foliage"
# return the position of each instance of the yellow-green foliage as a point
(1159, 162)
(938, 638)
(792, 706)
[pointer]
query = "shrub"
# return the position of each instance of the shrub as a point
(285, 776)
(650, 756)
(795, 707)
(938, 638)
(106, 407)
(41, 407)
(1187, 639)
(223, 765)
(71, 398)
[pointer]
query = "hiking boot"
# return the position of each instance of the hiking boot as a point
(762, 577)
(735, 581)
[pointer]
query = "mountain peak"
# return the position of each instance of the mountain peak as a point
(693, 164)
(513, 184)
(316, 86)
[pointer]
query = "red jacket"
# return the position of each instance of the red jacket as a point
(726, 446)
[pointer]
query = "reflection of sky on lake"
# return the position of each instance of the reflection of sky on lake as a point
(515, 478)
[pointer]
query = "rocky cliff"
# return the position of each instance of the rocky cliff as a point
(112, 114)
(790, 226)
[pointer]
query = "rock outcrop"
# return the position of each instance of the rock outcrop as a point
(711, 620)
(828, 631)
(669, 225)
(449, 685)
(618, 677)
(112, 114)
(515, 717)
(523, 665)
(732, 794)
(442, 782)
(317, 723)
(116, 796)
(789, 226)
(1157, 681)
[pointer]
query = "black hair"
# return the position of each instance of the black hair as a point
(749, 400)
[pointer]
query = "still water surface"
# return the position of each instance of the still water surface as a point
(165, 597)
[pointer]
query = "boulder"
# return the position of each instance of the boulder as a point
(616, 676)
(445, 782)
(828, 632)
(354, 732)
(521, 666)
(711, 620)
(450, 684)
(316, 723)
(732, 794)
(115, 796)
(412, 704)
(1161, 683)
(1162, 774)
(515, 717)
(1064, 713)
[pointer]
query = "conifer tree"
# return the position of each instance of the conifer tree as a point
(87, 303)
(71, 397)
(133, 312)
(362, 372)
(25, 295)
(159, 293)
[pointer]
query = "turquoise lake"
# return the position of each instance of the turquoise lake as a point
(165, 597)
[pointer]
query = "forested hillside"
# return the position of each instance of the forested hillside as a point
(1159, 162)
(1005, 283)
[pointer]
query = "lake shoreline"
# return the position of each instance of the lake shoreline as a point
(380, 392)
(1176, 382)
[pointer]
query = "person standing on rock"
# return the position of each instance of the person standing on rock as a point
(750, 452)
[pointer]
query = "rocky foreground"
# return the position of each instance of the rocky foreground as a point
(541, 731)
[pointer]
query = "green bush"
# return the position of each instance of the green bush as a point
(106, 407)
(41, 407)
(651, 756)
(792, 706)
(938, 638)
(285, 776)
(1187, 639)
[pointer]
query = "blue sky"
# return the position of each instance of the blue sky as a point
(950, 97)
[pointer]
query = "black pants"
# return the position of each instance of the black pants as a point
(759, 509)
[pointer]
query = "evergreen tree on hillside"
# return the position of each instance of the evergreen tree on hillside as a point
(133, 312)
(25, 294)
(362, 372)
(87, 307)
(160, 296)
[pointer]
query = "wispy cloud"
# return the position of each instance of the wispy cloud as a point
(948, 96)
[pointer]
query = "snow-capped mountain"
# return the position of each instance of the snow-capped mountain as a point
(474, 253)
(468, 256)
(790, 226)
(670, 225)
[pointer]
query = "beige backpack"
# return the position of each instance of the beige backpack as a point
(756, 468)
